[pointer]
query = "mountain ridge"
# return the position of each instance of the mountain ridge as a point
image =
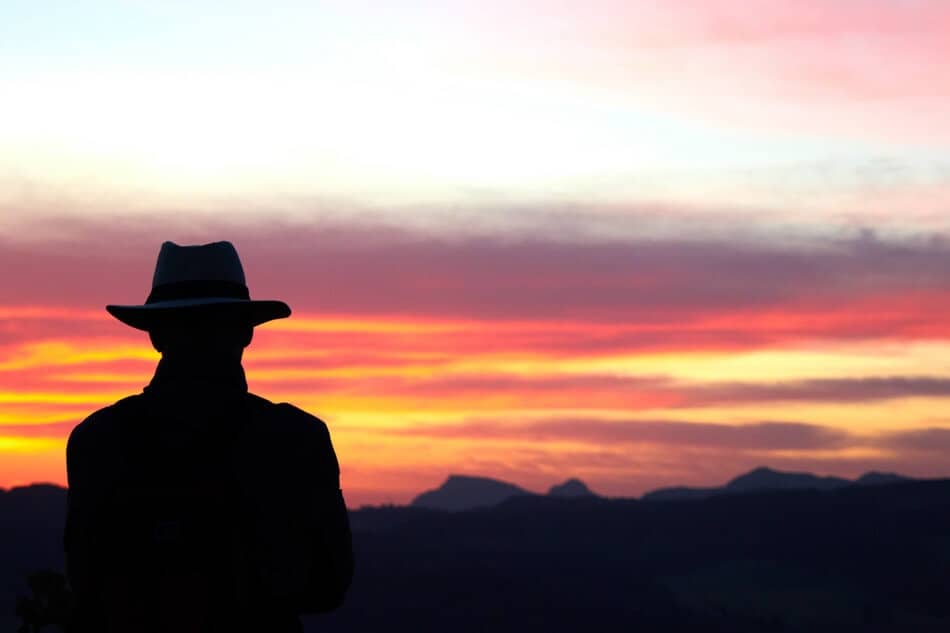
(469, 492)
(765, 479)
(461, 492)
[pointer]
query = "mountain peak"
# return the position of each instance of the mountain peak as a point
(765, 478)
(873, 478)
(467, 492)
(571, 488)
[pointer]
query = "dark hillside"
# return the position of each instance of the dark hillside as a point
(852, 558)
(871, 558)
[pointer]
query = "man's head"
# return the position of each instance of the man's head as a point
(199, 301)
(206, 333)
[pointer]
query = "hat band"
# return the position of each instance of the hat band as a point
(198, 290)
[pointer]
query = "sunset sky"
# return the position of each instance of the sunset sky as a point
(641, 243)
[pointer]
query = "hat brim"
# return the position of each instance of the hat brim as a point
(255, 312)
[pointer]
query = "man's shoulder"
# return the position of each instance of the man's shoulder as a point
(104, 420)
(301, 439)
(287, 417)
(98, 436)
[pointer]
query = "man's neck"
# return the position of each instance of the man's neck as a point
(216, 371)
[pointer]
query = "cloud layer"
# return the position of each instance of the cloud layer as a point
(550, 342)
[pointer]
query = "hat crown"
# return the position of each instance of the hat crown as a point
(217, 261)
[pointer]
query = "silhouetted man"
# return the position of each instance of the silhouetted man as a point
(195, 505)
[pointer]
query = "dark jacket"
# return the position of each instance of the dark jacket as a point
(263, 476)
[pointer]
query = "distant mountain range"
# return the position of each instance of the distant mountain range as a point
(765, 479)
(464, 492)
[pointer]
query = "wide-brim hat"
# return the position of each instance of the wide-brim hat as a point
(207, 278)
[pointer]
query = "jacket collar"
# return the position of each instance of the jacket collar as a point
(212, 374)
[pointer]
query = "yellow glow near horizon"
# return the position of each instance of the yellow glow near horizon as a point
(829, 361)
(373, 397)
(57, 353)
(27, 445)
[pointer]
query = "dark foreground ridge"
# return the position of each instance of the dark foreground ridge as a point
(868, 558)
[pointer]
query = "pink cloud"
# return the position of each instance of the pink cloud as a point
(379, 271)
(850, 68)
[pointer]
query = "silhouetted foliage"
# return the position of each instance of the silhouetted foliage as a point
(50, 604)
